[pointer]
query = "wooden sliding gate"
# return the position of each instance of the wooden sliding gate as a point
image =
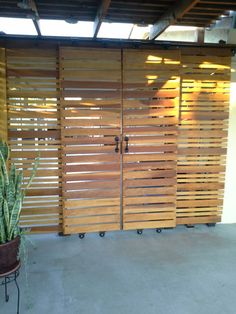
(91, 115)
(119, 138)
(150, 111)
(202, 139)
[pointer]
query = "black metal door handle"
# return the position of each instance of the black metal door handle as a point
(127, 144)
(117, 144)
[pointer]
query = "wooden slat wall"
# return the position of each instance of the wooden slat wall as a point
(151, 99)
(91, 108)
(203, 134)
(34, 126)
(90, 99)
(3, 104)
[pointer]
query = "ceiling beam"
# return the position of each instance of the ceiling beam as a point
(36, 25)
(101, 13)
(171, 17)
(36, 16)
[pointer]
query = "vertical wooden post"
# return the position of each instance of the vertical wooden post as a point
(3, 103)
(62, 187)
(60, 177)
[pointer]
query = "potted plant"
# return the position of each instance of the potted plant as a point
(11, 198)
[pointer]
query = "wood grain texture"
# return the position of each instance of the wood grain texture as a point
(91, 97)
(34, 128)
(202, 137)
(151, 99)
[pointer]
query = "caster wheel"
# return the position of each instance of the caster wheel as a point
(211, 225)
(102, 234)
(158, 230)
(61, 234)
(139, 231)
(81, 235)
(189, 226)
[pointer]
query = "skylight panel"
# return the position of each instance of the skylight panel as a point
(140, 32)
(64, 29)
(17, 26)
(115, 30)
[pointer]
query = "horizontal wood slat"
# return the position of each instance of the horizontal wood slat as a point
(34, 128)
(202, 137)
(91, 100)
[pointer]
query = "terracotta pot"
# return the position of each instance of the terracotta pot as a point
(9, 255)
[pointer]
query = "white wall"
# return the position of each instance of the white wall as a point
(216, 34)
(229, 211)
(232, 36)
(189, 36)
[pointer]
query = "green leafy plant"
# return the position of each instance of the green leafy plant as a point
(11, 195)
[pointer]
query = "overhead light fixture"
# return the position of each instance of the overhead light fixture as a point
(24, 4)
(72, 20)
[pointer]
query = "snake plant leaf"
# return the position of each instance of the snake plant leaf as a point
(17, 231)
(6, 215)
(2, 225)
(11, 195)
(1, 207)
(4, 149)
(4, 168)
(2, 187)
(15, 217)
(18, 184)
(3, 238)
(12, 176)
(10, 188)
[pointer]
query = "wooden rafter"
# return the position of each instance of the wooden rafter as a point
(36, 16)
(171, 17)
(101, 13)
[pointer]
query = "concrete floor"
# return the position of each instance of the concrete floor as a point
(181, 271)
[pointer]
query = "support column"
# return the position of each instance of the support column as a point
(3, 103)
